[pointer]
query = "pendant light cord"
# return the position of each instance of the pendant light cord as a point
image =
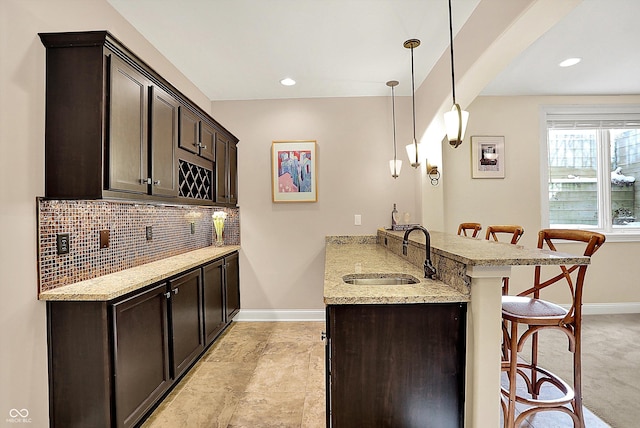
(453, 78)
(413, 99)
(393, 113)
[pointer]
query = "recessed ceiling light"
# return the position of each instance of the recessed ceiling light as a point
(569, 62)
(288, 81)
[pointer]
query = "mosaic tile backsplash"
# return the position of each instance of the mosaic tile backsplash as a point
(128, 246)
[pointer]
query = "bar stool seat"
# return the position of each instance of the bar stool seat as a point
(517, 308)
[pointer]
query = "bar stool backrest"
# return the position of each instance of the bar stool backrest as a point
(464, 227)
(515, 231)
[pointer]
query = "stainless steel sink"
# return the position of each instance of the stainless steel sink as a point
(380, 279)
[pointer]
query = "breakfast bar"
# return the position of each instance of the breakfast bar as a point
(468, 281)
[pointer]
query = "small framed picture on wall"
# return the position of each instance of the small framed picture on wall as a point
(293, 171)
(487, 157)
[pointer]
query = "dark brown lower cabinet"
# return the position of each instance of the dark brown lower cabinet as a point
(232, 285)
(186, 321)
(213, 291)
(141, 354)
(111, 362)
(398, 366)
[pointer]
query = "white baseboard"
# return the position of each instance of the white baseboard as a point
(610, 308)
(280, 315)
(319, 314)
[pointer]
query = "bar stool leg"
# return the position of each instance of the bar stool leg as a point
(513, 368)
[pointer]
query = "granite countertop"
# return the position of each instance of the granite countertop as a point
(480, 252)
(117, 284)
(362, 255)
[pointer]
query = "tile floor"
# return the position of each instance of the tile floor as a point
(269, 374)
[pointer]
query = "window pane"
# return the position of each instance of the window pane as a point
(573, 186)
(625, 164)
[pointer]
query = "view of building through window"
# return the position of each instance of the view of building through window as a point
(592, 176)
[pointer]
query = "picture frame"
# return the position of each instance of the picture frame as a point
(294, 171)
(487, 156)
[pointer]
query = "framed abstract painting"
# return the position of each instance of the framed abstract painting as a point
(294, 171)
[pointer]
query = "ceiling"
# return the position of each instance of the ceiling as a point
(241, 49)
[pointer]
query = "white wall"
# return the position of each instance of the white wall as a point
(23, 351)
(516, 198)
(282, 257)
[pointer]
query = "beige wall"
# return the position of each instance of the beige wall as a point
(282, 258)
(23, 351)
(516, 198)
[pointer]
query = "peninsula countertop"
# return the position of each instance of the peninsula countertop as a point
(117, 284)
(362, 255)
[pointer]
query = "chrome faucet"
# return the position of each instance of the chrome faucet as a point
(429, 269)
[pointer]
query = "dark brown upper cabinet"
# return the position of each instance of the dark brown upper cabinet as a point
(116, 129)
(196, 135)
(226, 170)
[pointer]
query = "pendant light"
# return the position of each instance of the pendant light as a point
(455, 121)
(413, 150)
(395, 165)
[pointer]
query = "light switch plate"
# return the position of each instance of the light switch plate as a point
(357, 220)
(148, 232)
(62, 243)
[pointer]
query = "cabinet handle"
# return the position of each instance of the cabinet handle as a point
(323, 336)
(167, 295)
(203, 146)
(145, 181)
(156, 182)
(175, 291)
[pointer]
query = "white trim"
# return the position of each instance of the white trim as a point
(280, 315)
(609, 308)
(319, 314)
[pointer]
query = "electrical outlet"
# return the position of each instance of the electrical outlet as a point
(357, 219)
(104, 238)
(148, 231)
(62, 243)
(193, 228)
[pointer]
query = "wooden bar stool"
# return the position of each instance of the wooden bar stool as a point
(529, 309)
(464, 227)
(512, 230)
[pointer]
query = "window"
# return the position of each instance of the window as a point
(593, 168)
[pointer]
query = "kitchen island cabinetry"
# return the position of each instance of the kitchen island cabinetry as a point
(116, 349)
(401, 364)
(408, 325)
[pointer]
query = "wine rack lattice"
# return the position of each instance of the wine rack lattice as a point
(195, 181)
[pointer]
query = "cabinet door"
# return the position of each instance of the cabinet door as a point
(127, 137)
(164, 137)
(186, 321)
(221, 169)
(232, 278)
(207, 141)
(213, 297)
(189, 130)
(233, 173)
(141, 354)
(397, 365)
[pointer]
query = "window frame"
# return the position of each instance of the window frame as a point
(588, 112)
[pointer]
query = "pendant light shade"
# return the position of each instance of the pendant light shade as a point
(395, 165)
(455, 120)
